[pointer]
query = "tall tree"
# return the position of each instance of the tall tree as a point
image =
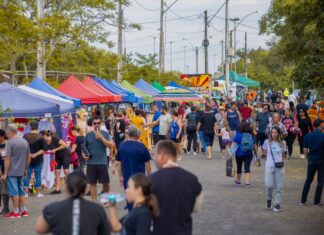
(298, 27)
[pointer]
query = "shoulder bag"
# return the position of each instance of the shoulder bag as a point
(277, 164)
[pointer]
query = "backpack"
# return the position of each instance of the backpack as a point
(247, 142)
(192, 122)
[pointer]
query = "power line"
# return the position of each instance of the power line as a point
(145, 8)
(174, 19)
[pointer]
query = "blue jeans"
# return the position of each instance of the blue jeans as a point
(202, 141)
(15, 186)
(38, 175)
(274, 178)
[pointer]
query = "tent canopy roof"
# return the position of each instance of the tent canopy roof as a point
(66, 106)
(240, 79)
(138, 99)
(130, 87)
(41, 85)
(73, 87)
(15, 100)
(157, 86)
(100, 90)
(146, 87)
(108, 86)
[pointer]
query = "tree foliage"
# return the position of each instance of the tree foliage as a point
(298, 26)
(267, 67)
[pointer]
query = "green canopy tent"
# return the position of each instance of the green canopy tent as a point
(129, 87)
(240, 79)
(158, 86)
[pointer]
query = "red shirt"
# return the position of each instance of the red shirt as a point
(246, 112)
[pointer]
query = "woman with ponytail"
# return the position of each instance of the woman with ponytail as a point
(145, 206)
(74, 215)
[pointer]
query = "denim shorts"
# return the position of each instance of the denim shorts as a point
(15, 186)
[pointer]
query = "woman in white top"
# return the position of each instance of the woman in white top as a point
(275, 148)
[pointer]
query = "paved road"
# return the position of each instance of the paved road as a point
(227, 209)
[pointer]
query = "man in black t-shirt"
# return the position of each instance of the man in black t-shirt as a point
(37, 146)
(191, 128)
(208, 125)
(168, 181)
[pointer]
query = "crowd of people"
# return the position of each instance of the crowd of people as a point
(263, 124)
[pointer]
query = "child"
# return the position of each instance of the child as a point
(225, 133)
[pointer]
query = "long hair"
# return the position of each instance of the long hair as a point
(245, 127)
(77, 129)
(143, 182)
(76, 183)
(280, 136)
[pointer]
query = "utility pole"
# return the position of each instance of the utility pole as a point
(196, 60)
(161, 51)
(226, 50)
(154, 45)
(40, 70)
(246, 57)
(222, 57)
(184, 59)
(120, 42)
(206, 43)
(171, 55)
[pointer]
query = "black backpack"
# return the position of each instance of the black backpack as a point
(192, 122)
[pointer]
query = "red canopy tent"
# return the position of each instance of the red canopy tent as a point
(74, 88)
(90, 83)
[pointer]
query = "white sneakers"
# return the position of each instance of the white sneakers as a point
(194, 153)
(40, 195)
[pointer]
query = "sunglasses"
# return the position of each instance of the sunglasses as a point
(96, 123)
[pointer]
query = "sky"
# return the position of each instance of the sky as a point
(187, 33)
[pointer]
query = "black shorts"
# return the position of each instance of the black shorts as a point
(97, 173)
(62, 162)
(162, 137)
(155, 137)
(209, 139)
(261, 137)
(178, 141)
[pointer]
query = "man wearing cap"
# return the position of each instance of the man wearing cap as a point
(314, 152)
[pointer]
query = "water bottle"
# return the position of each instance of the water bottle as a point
(111, 198)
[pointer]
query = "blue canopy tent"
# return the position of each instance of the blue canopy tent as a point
(41, 85)
(138, 99)
(146, 87)
(107, 85)
(66, 106)
(18, 103)
(173, 84)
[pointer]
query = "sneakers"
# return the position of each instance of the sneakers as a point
(194, 153)
(40, 195)
(185, 150)
(4, 213)
(237, 182)
(318, 204)
(24, 214)
(277, 208)
(248, 186)
(26, 195)
(55, 192)
(269, 204)
(88, 194)
(302, 156)
(302, 203)
(13, 215)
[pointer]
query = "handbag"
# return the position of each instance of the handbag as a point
(3, 186)
(277, 164)
(229, 167)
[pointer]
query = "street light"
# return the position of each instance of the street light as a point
(234, 20)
